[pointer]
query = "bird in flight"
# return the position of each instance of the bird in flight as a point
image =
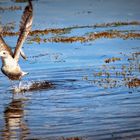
(10, 66)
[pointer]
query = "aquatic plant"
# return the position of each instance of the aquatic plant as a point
(11, 8)
(38, 35)
(112, 75)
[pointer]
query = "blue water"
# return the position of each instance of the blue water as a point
(82, 102)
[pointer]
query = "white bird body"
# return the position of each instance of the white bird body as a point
(10, 67)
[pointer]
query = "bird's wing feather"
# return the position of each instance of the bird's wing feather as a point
(25, 27)
(4, 46)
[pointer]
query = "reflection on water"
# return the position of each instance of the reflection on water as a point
(15, 126)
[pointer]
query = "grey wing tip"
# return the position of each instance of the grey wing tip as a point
(30, 4)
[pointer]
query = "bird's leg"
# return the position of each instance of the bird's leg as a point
(12, 84)
(19, 84)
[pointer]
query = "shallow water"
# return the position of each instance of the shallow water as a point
(89, 98)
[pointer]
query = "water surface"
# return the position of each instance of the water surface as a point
(92, 97)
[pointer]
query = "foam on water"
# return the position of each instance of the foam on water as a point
(32, 85)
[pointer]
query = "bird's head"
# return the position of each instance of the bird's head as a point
(4, 54)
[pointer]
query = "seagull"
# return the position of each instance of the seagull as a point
(10, 66)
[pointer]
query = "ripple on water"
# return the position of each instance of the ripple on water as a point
(88, 89)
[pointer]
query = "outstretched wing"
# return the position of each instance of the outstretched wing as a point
(25, 27)
(4, 46)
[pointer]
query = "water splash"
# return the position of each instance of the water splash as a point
(32, 86)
